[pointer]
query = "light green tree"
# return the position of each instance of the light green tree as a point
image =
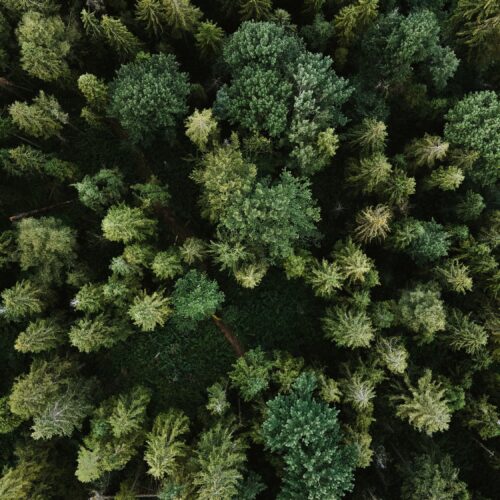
(426, 408)
(45, 45)
(43, 118)
(23, 299)
(348, 327)
(201, 127)
(149, 311)
(127, 224)
(41, 335)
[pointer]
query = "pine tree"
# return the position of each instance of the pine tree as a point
(325, 278)
(392, 354)
(369, 173)
(426, 408)
(118, 37)
(470, 206)
(164, 444)
(93, 334)
(43, 119)
(446, 178)
(54, 395)
(101, 190)
(306, 433)
(422, 312)
(45, 45)
(427, 151)
(465, 334)
(181, 15)
(348, 327)
(47, 247)
(255, 9)
(149, 311)
(218, 463)
(370, 136)
(209, 39)
(433, 478)
(483, 416)
(372, 223)
(152, 14)
(126, 224)
(95, 92)
(251, 374)
(167, 265)
(148, 96)
(23, 299)
(201, 127)
(456, 276)
(41, 335)
(354, 18)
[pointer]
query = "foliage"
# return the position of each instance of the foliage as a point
(149, 311)
(307, 434)
(148, 96)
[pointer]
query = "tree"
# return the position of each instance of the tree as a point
(149, 311)
(273, 219)
(127, 224)
(45, 45)
(42, 334)
(427, 151)
(465, 334)
(370, 136)
(53, 395)
(426, 408)
(115, 434)
(456, 276)
(152, 14)
(118, 36)
(422, 312)
(164, 444)
(167, 265)
(372, 223)
(218, 463)
(354, 18)
(348, 327)
(209, 38)
(431, 477)
(369, 173)
(148, 97)
(181, 15)
(95, 92)
(251, 374)
(46, 246)
(307, 435)
(255, 9)
(101, 190)
(423, 241)
(473, 124)
(392, 354)
(224, 176)
(355, 266)
(201, 127)
(43, 119)
(25, 298)
(196, 297)
(93, 334)
(325, 278)
(470, 206)
(476, 26)
(483, 416)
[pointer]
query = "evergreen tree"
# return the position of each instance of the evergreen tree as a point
(201, 127)
(40, 335)
(101, 190)
(43, 119)
(23, 299)
(348, 327)
(372, 223)
(251, 374)
(164, 445)
(148, 96)
(149, 311)
(426, 408)
(209, 38)
(126, 224)
(53, 395)
(45, 46)
(306, 433)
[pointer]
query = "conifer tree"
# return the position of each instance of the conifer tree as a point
(370, 136)
(53, 395)
(465, 334)
(164, 445)
(47, 247)
(45, 45)
(181, 15)
(251, 374)
(40, 335)
(95, 92)
(209, 38)
(372, 223)
(306, 433)
(426, 408)
(456, 276)
(167, 265)
(354, 18)
(348, 327)
(427, 151)
(325, 278)
(148, 96)
(422, 312)
(201, 127)
(43, 118)
(23, 299)
(149, 311)
(126, 224)
(101, 190)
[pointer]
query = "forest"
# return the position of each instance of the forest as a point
(249, 249)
